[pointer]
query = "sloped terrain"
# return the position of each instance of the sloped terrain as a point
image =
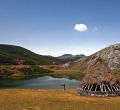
(110, 55)
(15, 55)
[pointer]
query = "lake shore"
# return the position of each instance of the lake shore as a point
(53, 99)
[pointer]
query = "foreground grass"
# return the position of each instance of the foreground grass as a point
(26, 99)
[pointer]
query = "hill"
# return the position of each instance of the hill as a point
(15, 55)
(110, 55)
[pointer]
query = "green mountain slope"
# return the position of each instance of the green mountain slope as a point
(10, 54)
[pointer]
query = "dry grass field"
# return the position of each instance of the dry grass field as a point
(31, 99)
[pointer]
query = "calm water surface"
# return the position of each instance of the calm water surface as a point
(45, 82)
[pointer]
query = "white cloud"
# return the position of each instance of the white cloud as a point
(80, 27)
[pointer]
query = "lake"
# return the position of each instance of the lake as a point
(45, 82)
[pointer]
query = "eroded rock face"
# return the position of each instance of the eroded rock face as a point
(111, 55)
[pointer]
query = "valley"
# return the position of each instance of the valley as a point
(53, 66)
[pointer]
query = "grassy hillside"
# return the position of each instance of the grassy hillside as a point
(12, 55)
(29, 99)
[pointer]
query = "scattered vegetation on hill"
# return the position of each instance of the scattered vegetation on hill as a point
(12, 55)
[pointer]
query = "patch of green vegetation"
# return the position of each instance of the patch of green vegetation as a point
(5, 60)
(77, 76)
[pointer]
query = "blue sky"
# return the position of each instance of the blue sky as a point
(47, 26)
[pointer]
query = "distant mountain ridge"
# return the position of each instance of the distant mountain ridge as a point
(69, 57)
(15, 55)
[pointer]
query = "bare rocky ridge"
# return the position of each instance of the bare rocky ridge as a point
(111, 55)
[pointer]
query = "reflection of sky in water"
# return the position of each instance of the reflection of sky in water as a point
(46, 82)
